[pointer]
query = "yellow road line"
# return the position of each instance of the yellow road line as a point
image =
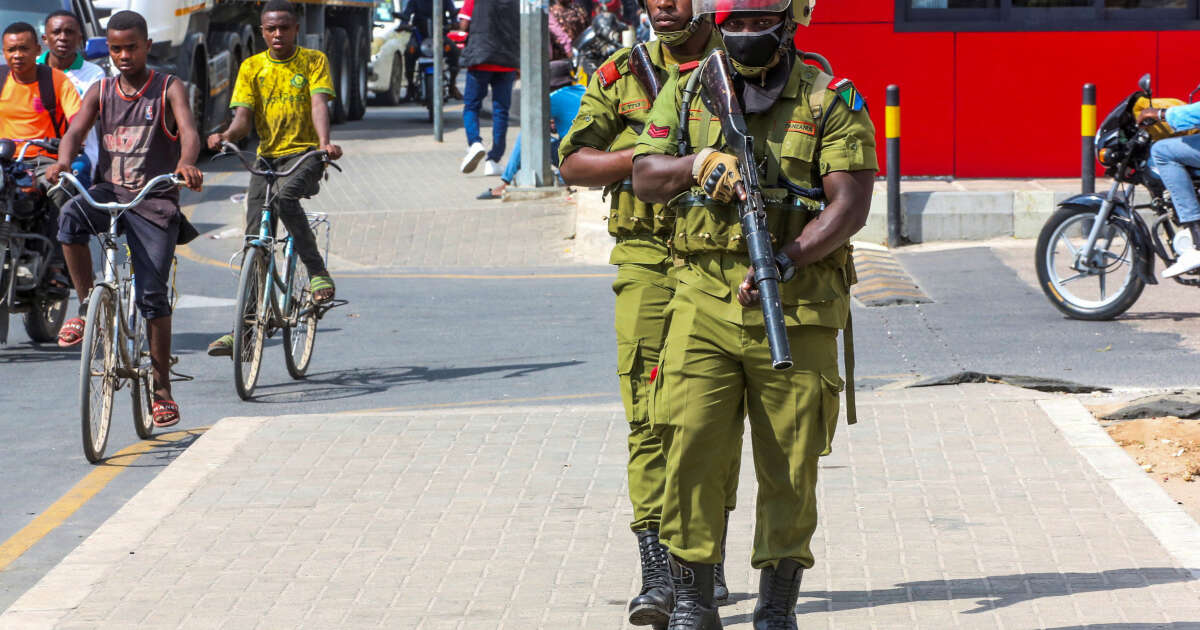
(475, 403)
(81, 493)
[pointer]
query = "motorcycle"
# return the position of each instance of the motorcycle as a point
(596, 43)
(25, 252)
(1095, 254)
(453, 41)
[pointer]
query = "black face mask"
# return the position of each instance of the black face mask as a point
(753, 50)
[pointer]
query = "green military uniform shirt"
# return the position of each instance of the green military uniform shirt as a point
(794, 146)
(611, 115)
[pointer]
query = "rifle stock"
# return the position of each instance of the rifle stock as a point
(720, 99)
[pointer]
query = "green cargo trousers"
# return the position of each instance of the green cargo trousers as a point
(643, 293)
(707, 365)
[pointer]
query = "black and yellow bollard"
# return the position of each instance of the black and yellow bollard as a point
(892, 131)
(1087, 124)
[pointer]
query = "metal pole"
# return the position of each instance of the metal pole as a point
(1087, 117)
(535, 98)
(439, 62)
(894, 219)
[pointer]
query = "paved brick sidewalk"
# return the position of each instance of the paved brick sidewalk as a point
(402, 202)
(947, 507)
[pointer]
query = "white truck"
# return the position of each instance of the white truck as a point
(204, 42)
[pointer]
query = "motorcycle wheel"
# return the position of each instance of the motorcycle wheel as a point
(7, 273)
(1100, 291)
(45, 318)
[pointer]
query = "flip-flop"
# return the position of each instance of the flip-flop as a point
(320, 283)
(222, 347)
(166, 413)
(487, 194)
(71, 333)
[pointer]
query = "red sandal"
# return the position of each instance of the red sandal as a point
(71, 332)
(166, 413)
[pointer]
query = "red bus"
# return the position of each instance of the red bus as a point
(991, 88)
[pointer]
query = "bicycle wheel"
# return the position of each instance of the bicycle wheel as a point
(298, 340)
(141, 393)
(97, 373)
(250, 323)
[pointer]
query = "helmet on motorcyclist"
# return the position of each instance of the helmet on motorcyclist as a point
(753, 52)
(675, 38)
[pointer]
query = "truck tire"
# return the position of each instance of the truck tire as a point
(361, 50)
(339, 71)
(197, 90)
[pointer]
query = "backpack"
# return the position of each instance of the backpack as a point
(45, 81)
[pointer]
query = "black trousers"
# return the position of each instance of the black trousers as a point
(288, 191)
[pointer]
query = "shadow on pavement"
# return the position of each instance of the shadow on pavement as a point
(1174, 316)
(161, 453)
(36, 353)
(364, 381)
(990, 592)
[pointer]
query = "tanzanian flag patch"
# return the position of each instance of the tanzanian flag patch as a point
(849, 94)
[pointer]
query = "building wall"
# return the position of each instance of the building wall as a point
(993, 104)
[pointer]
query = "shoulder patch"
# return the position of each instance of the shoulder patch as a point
(608, 74)
(654, 131)
(802, 126)
(688, 67)
(633, 106)
(848, 94)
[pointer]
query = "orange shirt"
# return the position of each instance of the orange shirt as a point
(22, 115)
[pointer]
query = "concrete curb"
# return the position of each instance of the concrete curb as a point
(927, 217)
(1170, 524)
(72, 580)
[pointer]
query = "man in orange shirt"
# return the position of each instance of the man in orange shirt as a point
(24, 115)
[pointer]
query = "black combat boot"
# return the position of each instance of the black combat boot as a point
(694, 608)
(720, 590)
(652, 606)
(778, 590)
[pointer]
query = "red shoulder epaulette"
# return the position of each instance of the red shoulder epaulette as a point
(688, 67)
(608, 74)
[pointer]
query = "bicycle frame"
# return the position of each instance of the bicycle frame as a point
(265, 241)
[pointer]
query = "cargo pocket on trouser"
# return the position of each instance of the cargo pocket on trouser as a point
(627, 360)
(831, 385)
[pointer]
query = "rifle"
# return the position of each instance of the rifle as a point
(720, 99)
(643, 70)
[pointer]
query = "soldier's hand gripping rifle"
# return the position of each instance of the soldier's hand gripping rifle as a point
(720, 99)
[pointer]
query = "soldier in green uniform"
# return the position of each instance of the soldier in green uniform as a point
(811, 131)
(598, 151)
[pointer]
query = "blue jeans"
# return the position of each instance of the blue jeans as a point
(478, 82)
(514, 161)
(1170, 159)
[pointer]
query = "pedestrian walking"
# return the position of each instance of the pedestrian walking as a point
(811, 132)
(598, 151)
(492, 57)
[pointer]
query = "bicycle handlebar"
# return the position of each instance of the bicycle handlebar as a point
(228, 148)
(114, 207)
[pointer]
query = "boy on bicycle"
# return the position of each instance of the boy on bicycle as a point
(285, 92)
(145, 126)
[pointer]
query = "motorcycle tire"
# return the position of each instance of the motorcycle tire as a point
(1060, 291)
(427, 80)
(45, 318)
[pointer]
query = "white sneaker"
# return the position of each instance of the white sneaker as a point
(474, 153)
(1187, 261)
(490, 167)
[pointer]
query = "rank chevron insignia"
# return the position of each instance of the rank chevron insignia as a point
(654, 131)
(849, 94)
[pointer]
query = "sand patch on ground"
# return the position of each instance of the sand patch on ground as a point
(1168, 449)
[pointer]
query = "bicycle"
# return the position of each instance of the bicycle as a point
(266, 302)
(114, 336)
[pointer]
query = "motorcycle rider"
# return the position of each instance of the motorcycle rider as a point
(23, 116)
(1171, 158)
(419, 13)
